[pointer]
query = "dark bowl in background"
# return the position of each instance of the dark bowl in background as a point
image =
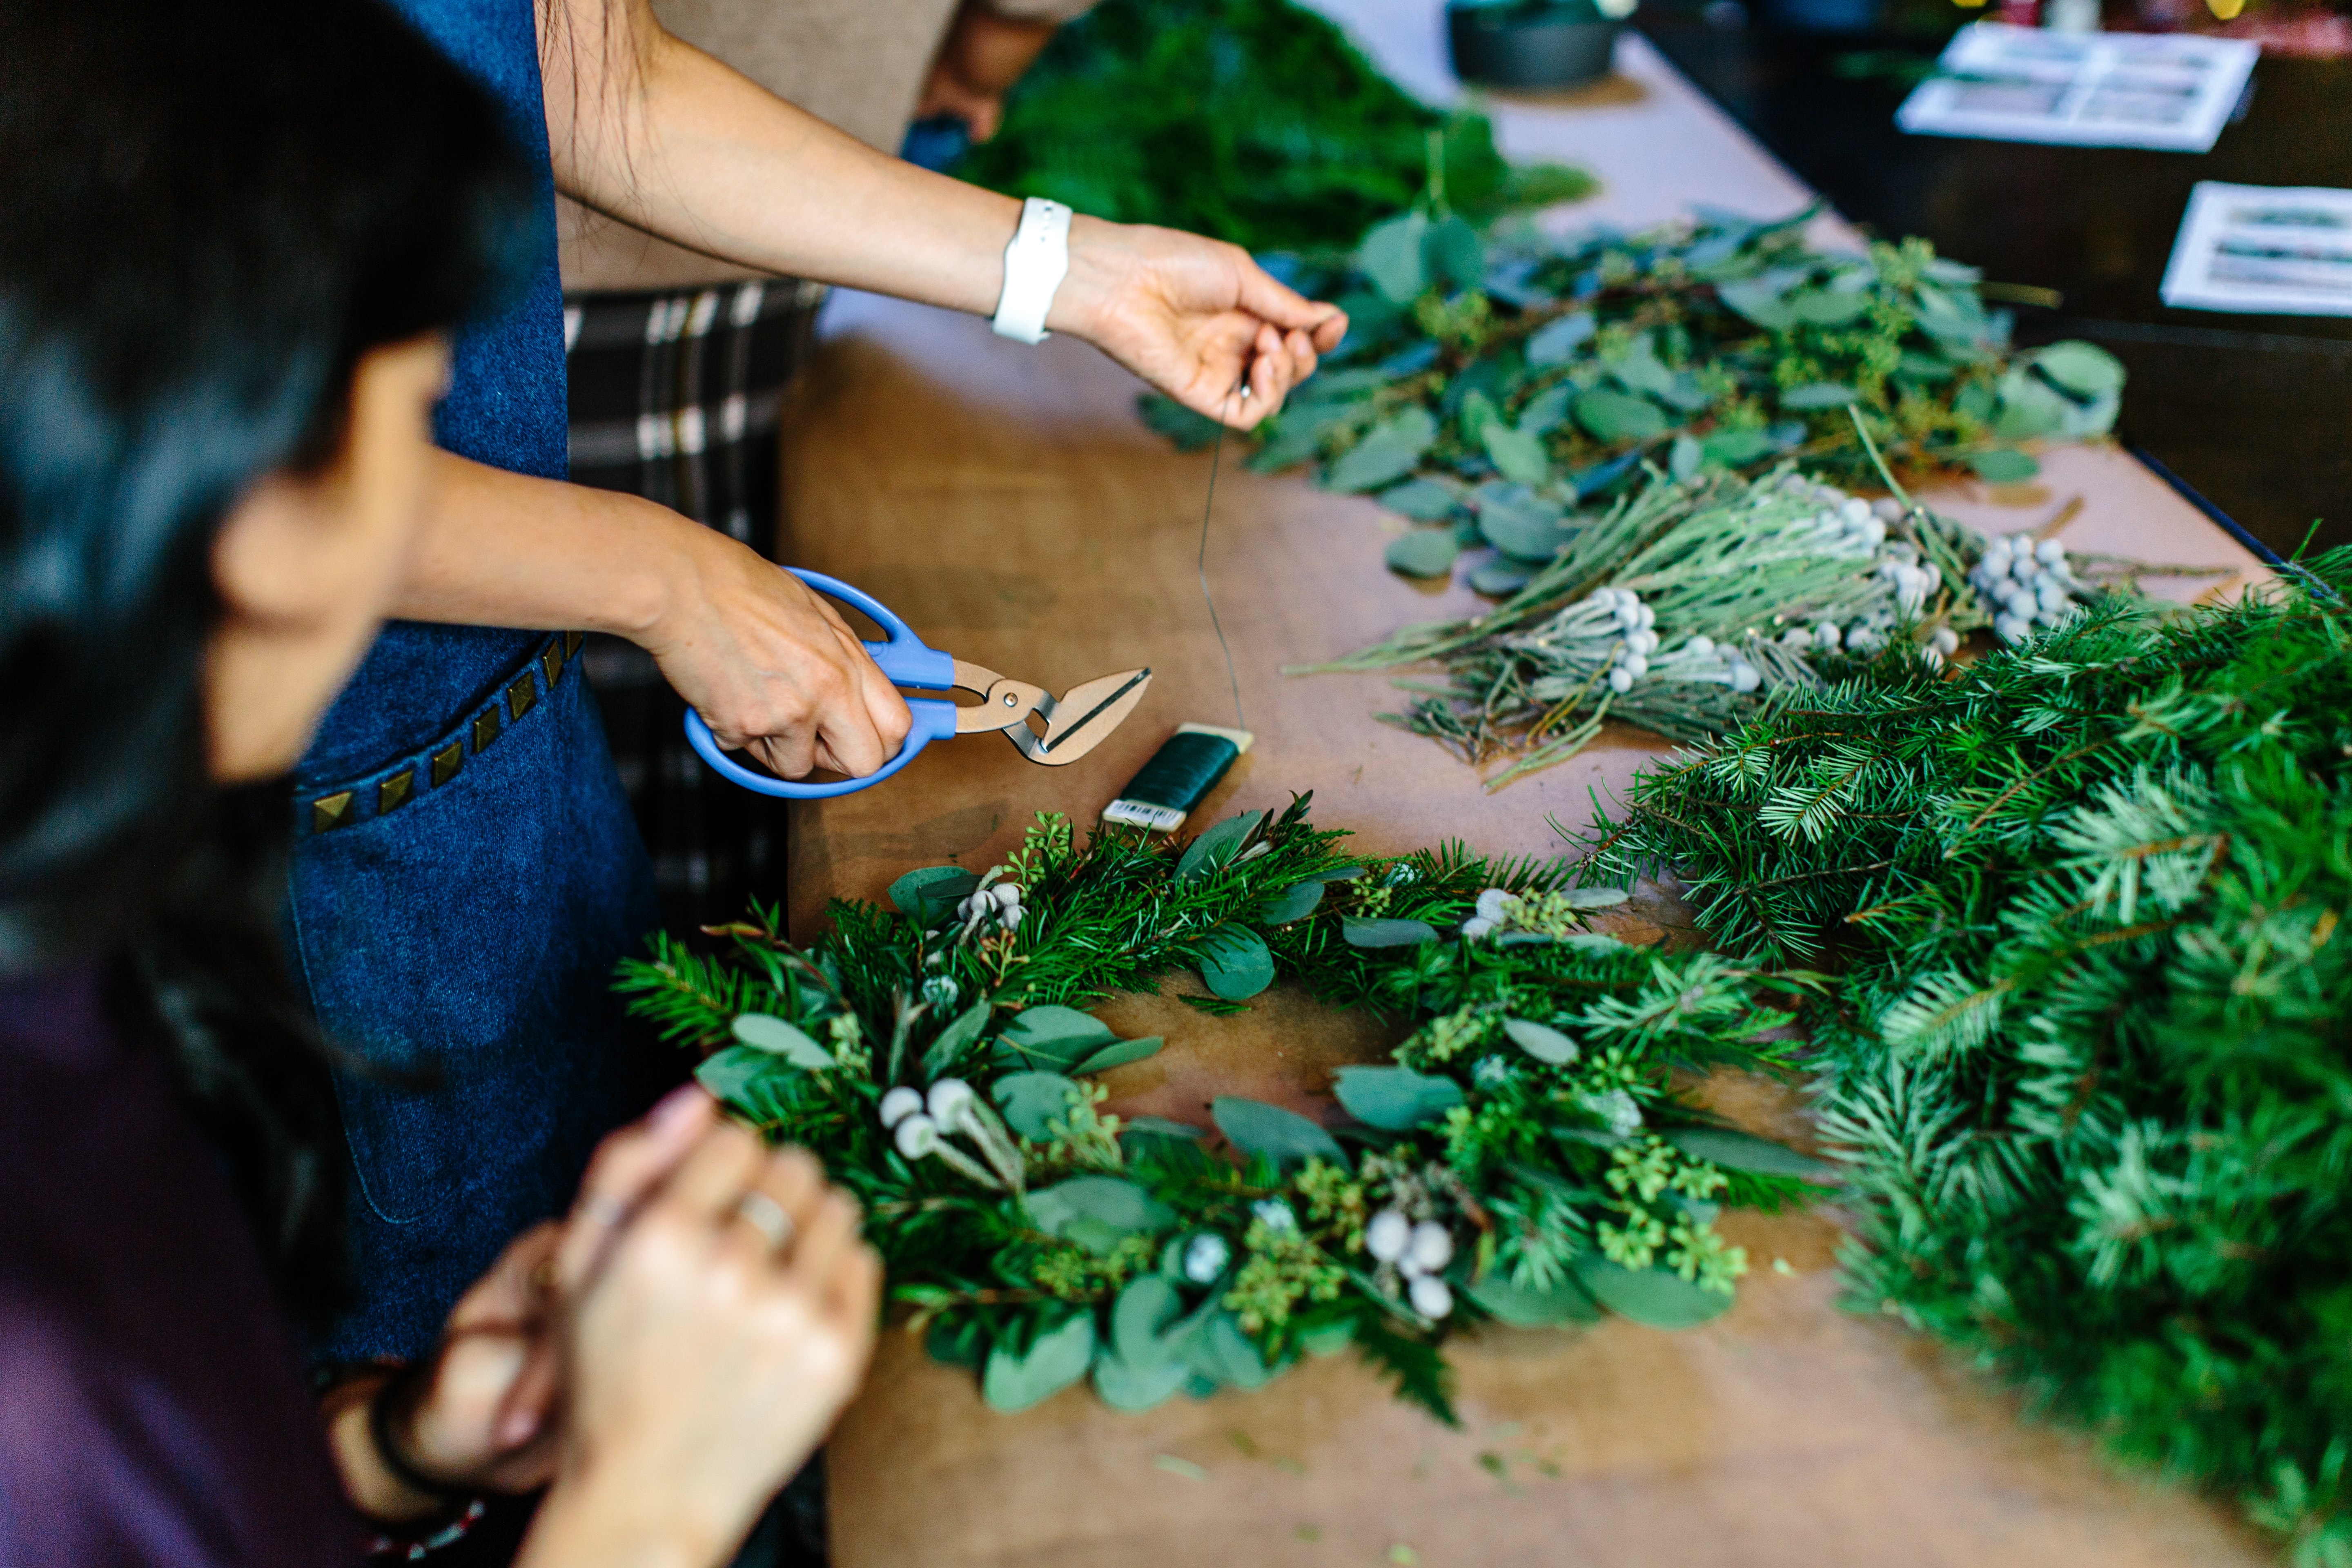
(1509, 47)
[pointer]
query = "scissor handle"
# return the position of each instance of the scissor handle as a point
(904, 658)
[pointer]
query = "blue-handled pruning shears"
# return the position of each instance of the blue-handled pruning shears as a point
(1073, 724)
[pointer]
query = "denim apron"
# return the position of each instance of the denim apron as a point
(465, 871)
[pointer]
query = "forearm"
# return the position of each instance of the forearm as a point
(663, 137)
(580, 1526)
(504, 549)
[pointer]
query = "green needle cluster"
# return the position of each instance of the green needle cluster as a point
(2088, 1057)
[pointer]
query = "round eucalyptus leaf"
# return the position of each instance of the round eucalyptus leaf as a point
(1529, 532)
(1760, 299)
(2083, 369)
(1394, 1098)
(1052, 1036)
(1818, 394)
(1255, 1126)
(1523, 1309)
(1498, 578)
(1032, 1100)
(1422, 553)
(2003, 466)
(1453, 255)
(1143, 1310)
(1609, 416)
(1236, 963)
(1423, 500)
(1557, 340)
(1517, 454)
(1107, 1200)
(2029, 406)
(1055, 1360)
(1133, 1387)
(1655, 1296)
(1218, 1350)
(1388, 451)
(1541, 1041)
(1829, 307)
(1295, 902)
(1735, 448)
(1390, 255)
(931, 892)
(729, 1074)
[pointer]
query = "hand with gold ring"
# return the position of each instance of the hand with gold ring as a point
(707, 1340)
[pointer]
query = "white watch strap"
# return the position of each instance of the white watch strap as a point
(1035, 265)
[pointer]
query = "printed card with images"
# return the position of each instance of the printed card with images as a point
(2167, 91)
(2281, 249)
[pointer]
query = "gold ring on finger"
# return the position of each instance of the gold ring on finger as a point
(766, 1215)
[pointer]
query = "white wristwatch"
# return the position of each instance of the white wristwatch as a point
(1035, 262)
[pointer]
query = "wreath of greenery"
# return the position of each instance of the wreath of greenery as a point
(1527, 1155)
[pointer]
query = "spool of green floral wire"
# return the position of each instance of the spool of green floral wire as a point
(1178, 778)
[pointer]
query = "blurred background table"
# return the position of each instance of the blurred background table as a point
(1007, 501)
(2250, 411)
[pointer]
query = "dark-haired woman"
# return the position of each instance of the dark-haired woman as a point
(469, 872)
(221, 338)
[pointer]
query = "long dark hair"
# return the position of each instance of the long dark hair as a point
(209, 212)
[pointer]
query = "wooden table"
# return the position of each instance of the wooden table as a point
(1009, 504)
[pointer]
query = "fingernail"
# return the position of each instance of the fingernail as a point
(679, 1104)
(517, 1427)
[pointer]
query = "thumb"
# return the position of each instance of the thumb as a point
(530, 1401)
(1270, 299)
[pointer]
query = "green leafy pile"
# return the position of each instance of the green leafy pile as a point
(1522, 376)
(1690, 604)
(2090, 1048)
(1251, 120)
(1526, 1137)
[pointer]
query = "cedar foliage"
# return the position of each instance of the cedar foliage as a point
(2088, 1057)
(1251, 121)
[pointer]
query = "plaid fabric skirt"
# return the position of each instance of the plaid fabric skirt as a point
(675, 397)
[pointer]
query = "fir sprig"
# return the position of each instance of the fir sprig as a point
(2090, 1070)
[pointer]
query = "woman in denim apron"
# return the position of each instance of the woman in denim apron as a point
(469, 872)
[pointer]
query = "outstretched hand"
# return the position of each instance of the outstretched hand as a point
(1194, 317)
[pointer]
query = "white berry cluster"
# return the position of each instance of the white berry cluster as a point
(921, 1124)
(1495, 907)
(1636, 627)
(1001, 903)
(1419, 1253)
(2031, 583)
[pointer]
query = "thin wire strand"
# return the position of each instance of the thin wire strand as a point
(1208, 509)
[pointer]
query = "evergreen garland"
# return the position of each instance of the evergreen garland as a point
(1525, 1156)
(2087, 1049)
(1253, 120)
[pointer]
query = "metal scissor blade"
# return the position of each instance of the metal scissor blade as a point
(1077, 721)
